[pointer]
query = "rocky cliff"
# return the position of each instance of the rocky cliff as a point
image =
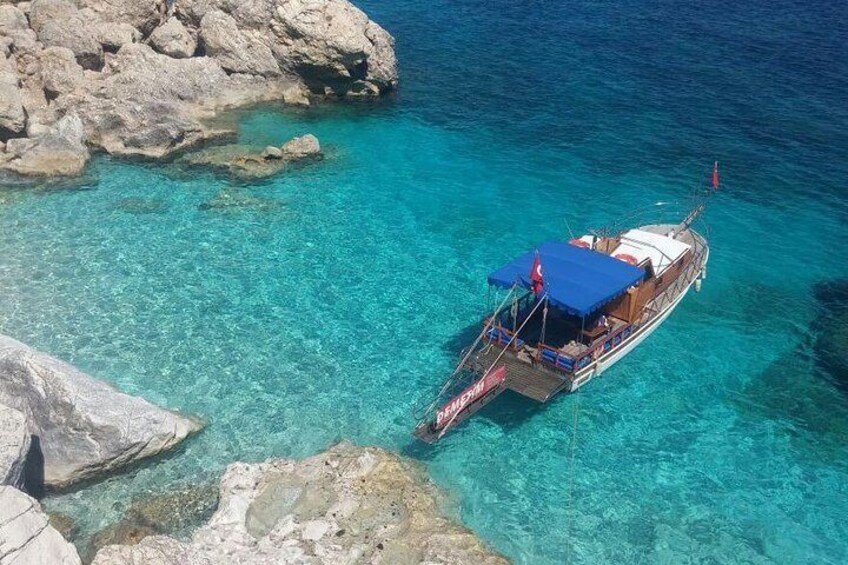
(140, 77)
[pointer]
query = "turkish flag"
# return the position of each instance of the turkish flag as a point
(536, 275)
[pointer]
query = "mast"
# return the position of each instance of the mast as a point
(701, 203)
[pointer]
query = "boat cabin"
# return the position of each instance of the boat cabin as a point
(596, 291)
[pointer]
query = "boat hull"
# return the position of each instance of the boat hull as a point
(605, 362)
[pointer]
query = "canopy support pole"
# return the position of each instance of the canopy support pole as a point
(544, 318)
(495, 362)
(469, 352)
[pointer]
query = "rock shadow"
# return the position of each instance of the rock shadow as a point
(806, 390)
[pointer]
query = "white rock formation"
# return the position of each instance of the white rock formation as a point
(26, 538)
(347, 505)
(58, 23)
(60, 71)
(85, 426)
(236, 51)
(301, 147)
(15, 441)
(12, 116)
(133, 100)
(60, 150)
(173, 39)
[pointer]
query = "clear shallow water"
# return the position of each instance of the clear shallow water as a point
(722, 438)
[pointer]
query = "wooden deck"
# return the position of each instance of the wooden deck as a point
(533, 381)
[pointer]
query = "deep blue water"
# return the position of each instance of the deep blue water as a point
(722, 438)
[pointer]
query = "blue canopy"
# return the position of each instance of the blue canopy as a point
(577, 280)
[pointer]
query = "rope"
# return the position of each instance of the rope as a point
(495, 362)
(470, 351)
(571, 476)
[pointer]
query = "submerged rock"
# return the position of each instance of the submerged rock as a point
(63, 524)
(235, 199)
(247, 162)
(347, 505)
(830, 328)
(15, 441)
(141, 206)
(175, 512)
(85, 427)
(26, 537)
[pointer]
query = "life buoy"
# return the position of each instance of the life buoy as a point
(627, 258)
(579, 243)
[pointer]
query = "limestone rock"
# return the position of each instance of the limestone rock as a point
(12, 19)
(59, 70)
(296, 95)
(141, 14)
(26, 537)
(85, 426)
(112, 36)
(15, 441)
(177, 512)
(249, 14)
(12, 116)
(58, 23)
(144, 104)
(272, 152)
(302, 147)
(173, 39)
(60, 151)
(133, 100)
(149, 104)
(249, 163)
(347, 505)
(331, 43)
(237, 51)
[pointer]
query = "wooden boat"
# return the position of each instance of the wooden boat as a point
(573, 309)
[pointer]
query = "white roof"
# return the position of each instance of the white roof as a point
(660, 249)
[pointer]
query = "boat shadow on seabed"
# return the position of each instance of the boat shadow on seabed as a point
(510, 410)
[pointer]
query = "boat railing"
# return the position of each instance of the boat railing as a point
(692, 270)
(556, 359)
(504, 337)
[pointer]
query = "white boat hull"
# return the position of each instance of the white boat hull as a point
(612, 357)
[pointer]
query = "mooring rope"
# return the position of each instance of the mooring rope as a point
(571, 477)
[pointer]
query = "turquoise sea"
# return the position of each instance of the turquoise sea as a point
(340, 303)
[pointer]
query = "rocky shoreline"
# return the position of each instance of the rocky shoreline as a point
(347, 505)
(60, 427)
(143, 78)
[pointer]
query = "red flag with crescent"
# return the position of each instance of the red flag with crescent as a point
(536, 276)
(716, 181)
